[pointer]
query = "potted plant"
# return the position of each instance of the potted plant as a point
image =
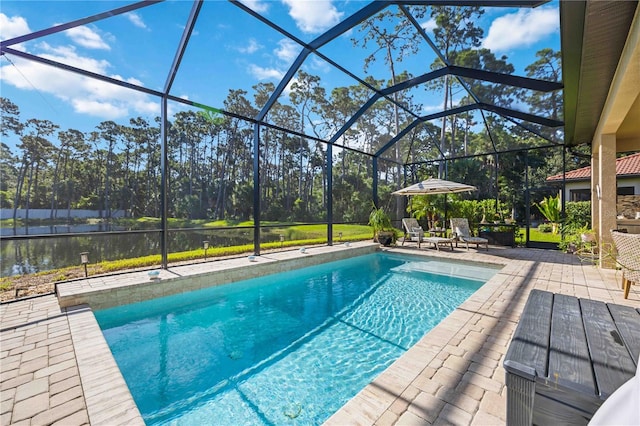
(380, 221)
(577, 239)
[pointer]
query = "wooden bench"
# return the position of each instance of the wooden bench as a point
(567, 356)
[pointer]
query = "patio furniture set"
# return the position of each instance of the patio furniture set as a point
(438, 236)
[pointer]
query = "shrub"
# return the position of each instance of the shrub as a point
(577, 215)
(545, 227)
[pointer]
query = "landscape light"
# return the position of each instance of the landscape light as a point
(205, 243)
(84, 259)
(281, 240)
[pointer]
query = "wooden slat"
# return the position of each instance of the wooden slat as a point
(627, 322)
(569, 363)
(530, 343)
(561, 407)
(610, 358)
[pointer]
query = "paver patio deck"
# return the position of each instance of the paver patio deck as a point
(56, 367)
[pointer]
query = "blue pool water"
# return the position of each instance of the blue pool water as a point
(290, 348)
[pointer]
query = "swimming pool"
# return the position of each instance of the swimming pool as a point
(290, 348)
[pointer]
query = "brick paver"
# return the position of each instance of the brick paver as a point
(464, 383)
(36, 348)
(56, 368)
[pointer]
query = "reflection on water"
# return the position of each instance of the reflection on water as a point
(59, 229)
(27, 256)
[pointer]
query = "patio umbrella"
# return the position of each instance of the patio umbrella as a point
(435, 186)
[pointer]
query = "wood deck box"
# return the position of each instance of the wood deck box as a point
(567, 356)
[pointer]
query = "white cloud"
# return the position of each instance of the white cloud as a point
(287, 90)
(521, 29)
(86, 37)
(313, 16)
(430, 109)
(252, 47)
(320, 65)
(136, 20)
(287, 50)
(262, 73)
(69, 55)
(85, 95)
(429, 25)
(11, 27)
(99, 109)
(256, 5)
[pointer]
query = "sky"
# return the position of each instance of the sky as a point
(229, 50)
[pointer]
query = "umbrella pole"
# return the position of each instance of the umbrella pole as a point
(446, 205)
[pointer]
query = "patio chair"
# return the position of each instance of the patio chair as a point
(461, 232)
(412, 229)
(628, 257)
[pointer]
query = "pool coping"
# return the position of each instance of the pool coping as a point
(107, 291)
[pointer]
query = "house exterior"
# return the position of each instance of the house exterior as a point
(578, 188)
(578, 182)
(600, 69)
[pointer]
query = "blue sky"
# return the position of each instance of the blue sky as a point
(229, 50)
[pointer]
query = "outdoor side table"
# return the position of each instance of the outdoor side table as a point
(567, 356)
(439, 232)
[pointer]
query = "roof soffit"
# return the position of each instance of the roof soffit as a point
(593, 37)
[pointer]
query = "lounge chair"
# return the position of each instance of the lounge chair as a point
(412, 229)
(461, 232)
(628, 257)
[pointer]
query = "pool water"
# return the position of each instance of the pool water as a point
(290, 348)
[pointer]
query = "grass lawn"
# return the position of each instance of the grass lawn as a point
(547, 237)
(535, 235)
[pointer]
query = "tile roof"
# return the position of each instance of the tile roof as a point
(625, 166)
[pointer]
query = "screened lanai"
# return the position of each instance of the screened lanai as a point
(261, 112)
(133, 130)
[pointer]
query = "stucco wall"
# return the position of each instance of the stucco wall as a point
(622, 182)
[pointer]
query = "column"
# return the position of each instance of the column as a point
(607, 209)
